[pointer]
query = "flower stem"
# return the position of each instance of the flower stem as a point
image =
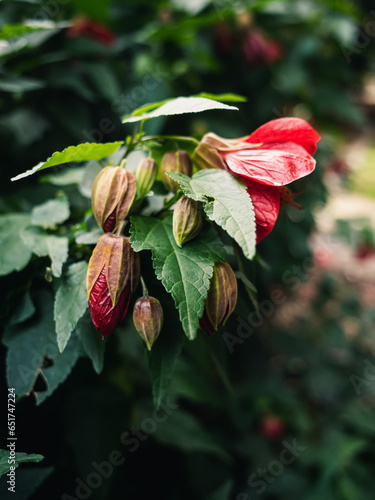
(144, 288)
(120, 228)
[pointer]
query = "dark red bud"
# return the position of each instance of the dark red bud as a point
(112, 276)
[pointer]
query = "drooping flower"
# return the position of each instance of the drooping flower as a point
(112, 276)
(277, 153)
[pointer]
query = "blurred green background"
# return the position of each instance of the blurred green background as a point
(287, 412)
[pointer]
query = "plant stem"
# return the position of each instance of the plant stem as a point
(120, 228)
(144, 288)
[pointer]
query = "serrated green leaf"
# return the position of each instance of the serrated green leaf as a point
(178, 106)
(51, 213)
(14, 255)
(70, 302)
(29, 342)
(82, 152)
(226, 202)
(91, 340)
(20, 458)
(43, 244)
(185, 272)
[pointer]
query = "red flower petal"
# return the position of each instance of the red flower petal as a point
(266, 202)
(273, 167)
(287, 129)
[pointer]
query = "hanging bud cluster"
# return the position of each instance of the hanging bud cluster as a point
(187, 220)
(112, 276)
(175, 161)
(145, 175)
(113, 193)
(221, 298)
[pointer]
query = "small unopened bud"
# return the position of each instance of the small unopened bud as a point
(221, 298)
(148, 319)
(145, 175)
(206, 154)
(113, 193)
(112, 276)
(175, 161)
(187, 220)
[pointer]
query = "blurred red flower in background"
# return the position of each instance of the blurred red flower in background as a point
(257, 49)
(85, 27)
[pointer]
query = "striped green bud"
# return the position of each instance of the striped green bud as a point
(187, 220)
(145, 175)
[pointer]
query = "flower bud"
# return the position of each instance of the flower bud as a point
(187, 220)
(175, 161)
(221, 298)
(148, 319)
(206, 154)
(112, 196)
(112, 276)
(145, 175)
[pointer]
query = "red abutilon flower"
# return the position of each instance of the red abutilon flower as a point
(112, 276)
(277, 153)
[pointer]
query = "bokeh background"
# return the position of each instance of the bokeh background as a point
(288, 412)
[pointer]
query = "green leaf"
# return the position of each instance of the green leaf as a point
(182, 431)
(13, 83)
(14, 255)
(91, 340)
(178, 106)
(82, 152)
(19, 459)
(70, 302)
(88, 237)
(28, 343)
(223, 97)
(28, 480)
(185, 272)
(24, 310)
(51, 213)
(9, 31)
(43, 244)
(163, 356)
(226, 202)
(65, 178)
